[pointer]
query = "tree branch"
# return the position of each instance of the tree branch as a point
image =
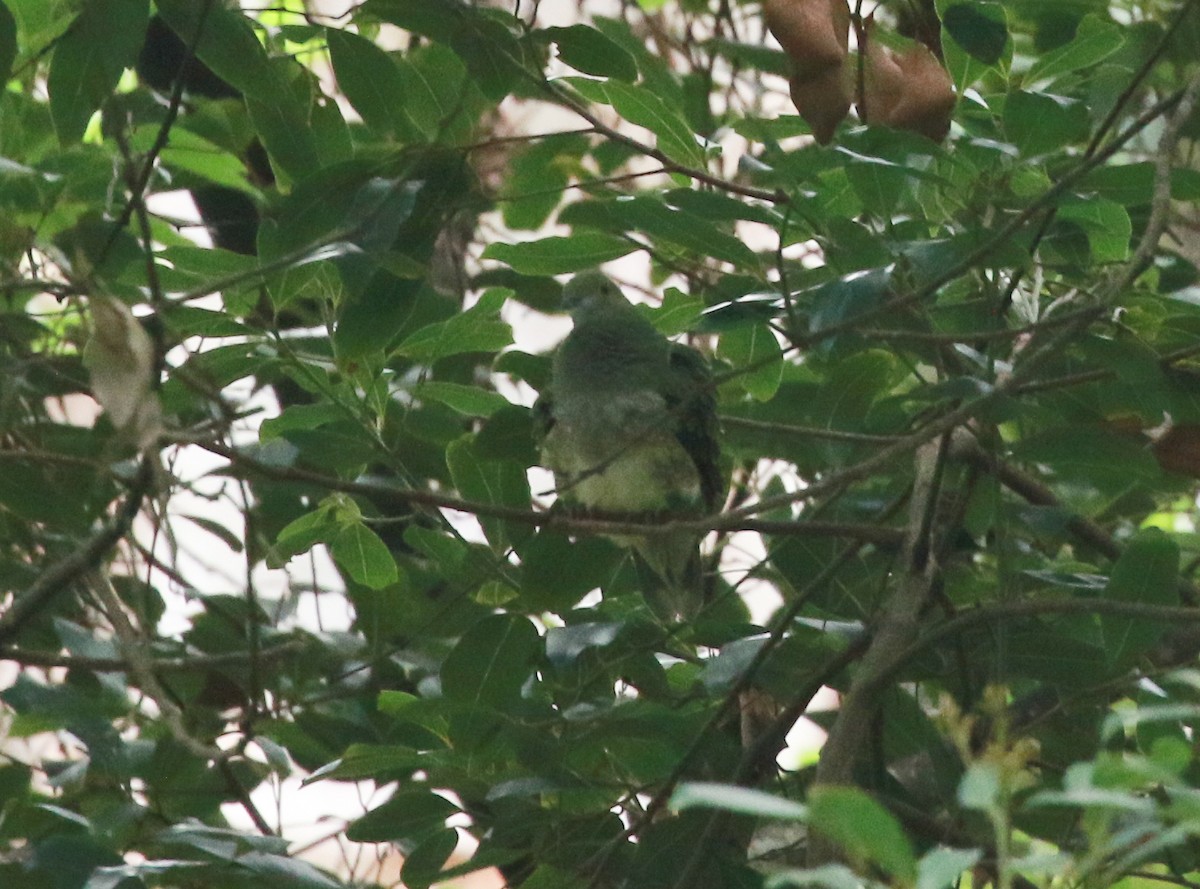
(897, 626)
(592, 523)
(59, 576)
(185, 663)
(141, 668)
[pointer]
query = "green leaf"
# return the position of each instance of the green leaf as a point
(191, 153)
(757, 359)
(1095, 40)
(208, 264)
(498, 482)
(1090, 457)
(1038, 122)
(753, 55)
(371, 80)
(423, 865)
(586, 49)
(482, 38)
(408, 815)
(980, 787)
(693, 233)
(1106, 223)
(557, 256)
(479, 329)
(1147, 572)
(982, 29)
(285, 121)
(102, 41)
(433, 79)
(470, 400)
(696, 233)
(491, 53)
(866, 830)
(942, 866)
(289, 871)
(302, 534)
(8, 42)
(547, 876)
(1130, 185)
(491, 662)
(556, 572)
(742, 800)
(1049, 655)
(537, 177)
(435, 19)
(639, 105)
(228, 45)
(979, 28)
(364, 556)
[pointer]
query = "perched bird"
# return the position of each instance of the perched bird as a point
(628, 424)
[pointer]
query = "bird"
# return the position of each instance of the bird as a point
(628, 424)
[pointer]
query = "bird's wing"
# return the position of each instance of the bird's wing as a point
(691, 398)
(543, 417)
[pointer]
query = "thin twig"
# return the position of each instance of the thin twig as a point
(184, 663)
(673, 166)
(138, 187)
(592, 523)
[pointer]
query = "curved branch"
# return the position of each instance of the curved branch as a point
(985, 614)
(57, 577)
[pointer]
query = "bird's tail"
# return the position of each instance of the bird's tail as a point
(672, 576)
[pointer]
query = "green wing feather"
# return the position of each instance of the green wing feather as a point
(691, 397)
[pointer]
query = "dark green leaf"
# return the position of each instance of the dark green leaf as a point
(639, 105)
(1039, 122)
(469, 400)
(1094, 41)
(741, 800)
(691, 232)
(557, 572)
(371, 80)
(479, 329)
(586, 49)
(424, 863)
(978, 28)
(8, 42)
(285, 120)
(433, 80)
(536, 179)
(498, 482)
(756, 356)
(490, 51)
(408, 815)
(227, 44)
(1106, 224)
(1147, 572)
(492, 661)
(87, 63)
(436, 19)
(556, 256)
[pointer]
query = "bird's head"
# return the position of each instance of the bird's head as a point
(589, 291)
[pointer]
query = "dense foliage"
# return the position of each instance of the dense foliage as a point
(958, 384)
